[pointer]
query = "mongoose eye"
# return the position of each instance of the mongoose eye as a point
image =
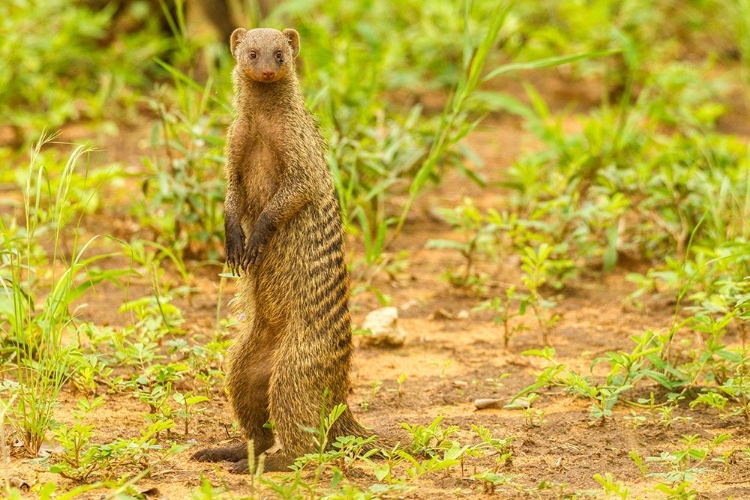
(253, 54)
(279, 56)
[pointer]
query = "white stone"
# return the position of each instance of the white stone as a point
(383, 323)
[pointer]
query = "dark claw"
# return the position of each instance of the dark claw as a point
(240, 467)
(235, 245)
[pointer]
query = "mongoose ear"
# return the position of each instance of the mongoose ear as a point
(293, 38)
(235, 39)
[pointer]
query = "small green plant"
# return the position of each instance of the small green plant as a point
(679, 490)
(533, 417)
(481, 239)
(188, 407)
(491, 480)
(500, 448)
(612, 488)
(347, 450)
(536, 265)
(401, 379)
(206, 491)
(343, 451)
(429, 440)
(339, 455)
(548, 377)
(505, 312)
(58, 72)
(385, 470)
(203, 358)
(48, 491)
(683, 465)
(639, 462)
(81, 458)
(444, 368)
(737, 390)
(418, 468)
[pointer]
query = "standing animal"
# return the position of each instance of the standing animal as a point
(284, 234)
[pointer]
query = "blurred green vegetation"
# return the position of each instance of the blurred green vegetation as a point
(59, 63)
(639, 161)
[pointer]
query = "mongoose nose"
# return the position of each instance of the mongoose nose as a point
(268, 75)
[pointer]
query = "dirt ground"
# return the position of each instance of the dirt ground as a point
(453, 355)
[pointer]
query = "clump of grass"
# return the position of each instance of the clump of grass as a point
(35, 307)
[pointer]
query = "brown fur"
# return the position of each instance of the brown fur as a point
(294, 285)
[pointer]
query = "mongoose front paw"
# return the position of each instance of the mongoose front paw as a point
(259, 237)
(255, 246)
(235, 245)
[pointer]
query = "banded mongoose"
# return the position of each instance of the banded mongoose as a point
(294, 284)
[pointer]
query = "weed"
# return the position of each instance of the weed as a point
(737, 389)
(639, 462)
(533, 417)
(41, 361)
(612, 488)
(81, 458)
(536, 265)
(428, 440)
(683, 466)
(501, 449)
(188, 406)
(481, 239)
(504, 312)
(491, 480)
(400, 381)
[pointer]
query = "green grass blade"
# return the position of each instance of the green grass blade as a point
(548, 62)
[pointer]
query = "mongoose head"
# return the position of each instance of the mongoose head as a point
(265, 55)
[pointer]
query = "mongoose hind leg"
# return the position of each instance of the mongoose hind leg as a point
(248, 383)
(303, 386)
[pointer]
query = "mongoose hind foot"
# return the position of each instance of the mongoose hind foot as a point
(240, 467)
(231, 453)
